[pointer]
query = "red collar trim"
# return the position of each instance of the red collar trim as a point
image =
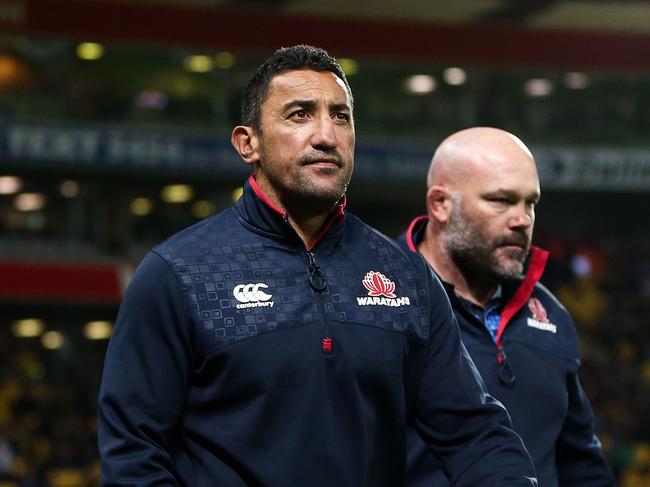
(336, 216)
(260, 194)
(536, 264)
(409, 232)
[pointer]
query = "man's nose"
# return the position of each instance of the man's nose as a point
(324, 136)
(522, 217)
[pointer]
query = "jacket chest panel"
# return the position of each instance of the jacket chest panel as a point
(239, 293)
(551, 332)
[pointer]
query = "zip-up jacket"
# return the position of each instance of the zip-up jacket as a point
(532, 368)
(242, 357)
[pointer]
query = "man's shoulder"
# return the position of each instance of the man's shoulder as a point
(198, 238)
(387, 247)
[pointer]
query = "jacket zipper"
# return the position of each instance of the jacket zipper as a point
(506, 374)
(319, 284)
(536, 266)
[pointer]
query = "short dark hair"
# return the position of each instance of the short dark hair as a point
(285, 59)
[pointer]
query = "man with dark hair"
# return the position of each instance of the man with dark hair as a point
(482, 191)
(285, 343)
(308, 57)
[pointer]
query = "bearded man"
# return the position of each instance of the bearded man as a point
(482, 192)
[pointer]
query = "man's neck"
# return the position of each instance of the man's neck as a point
(306, 216)
(467, 285)
(307, 226)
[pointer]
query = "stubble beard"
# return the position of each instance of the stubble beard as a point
(319, 191)
(474, 252)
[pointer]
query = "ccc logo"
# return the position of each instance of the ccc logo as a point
(250, 293)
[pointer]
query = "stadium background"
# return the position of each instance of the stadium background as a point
(114, 133)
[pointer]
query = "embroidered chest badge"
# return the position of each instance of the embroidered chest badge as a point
(252, 296)
(539, 319)
(381, 291)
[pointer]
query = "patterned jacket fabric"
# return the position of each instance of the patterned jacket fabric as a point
(241, 357)
(533, 370)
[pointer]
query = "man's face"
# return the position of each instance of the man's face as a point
(306, 142)
(491, 223)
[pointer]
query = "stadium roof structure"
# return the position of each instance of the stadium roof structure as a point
(551, 33)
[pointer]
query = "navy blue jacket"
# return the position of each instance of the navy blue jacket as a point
(533, 370)
(242, 357)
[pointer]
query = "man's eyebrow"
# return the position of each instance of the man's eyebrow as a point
(310, 104)
(509, 193)
(300, 103)
(340, 107)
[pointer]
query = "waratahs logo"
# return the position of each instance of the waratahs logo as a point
(535, 307)
(381, 291)
(378, 284)
(539, 319)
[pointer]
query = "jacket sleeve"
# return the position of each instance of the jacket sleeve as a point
(464, 426)
(578, 455)
(145, 379)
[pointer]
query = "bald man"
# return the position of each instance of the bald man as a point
(482, 192)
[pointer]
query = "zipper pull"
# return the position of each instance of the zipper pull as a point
(506, 374)
(327, 344)
(316, 277)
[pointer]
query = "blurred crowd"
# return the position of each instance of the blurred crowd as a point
(605, 284)
(47, 414)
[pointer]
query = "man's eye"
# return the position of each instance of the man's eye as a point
(342, 116)
(299, 114)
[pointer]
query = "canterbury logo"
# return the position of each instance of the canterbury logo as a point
(252, 296)
(380, 291)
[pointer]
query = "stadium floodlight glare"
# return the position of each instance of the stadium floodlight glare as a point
(10, 70)
(29, 201)
(98, 330)
(224, 60)
(90, 51)
(52, 340)
(177, 193)
(420, 84)
(454, 76)
(141, 206)
(10, 184)
(576, 80)
(28, 327)
(151, 98)
(198, 63)
(69, 188)
(538, 87)
(203, 208)
(236, 194)
(349, 66)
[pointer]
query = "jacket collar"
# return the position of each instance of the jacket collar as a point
(261, 215)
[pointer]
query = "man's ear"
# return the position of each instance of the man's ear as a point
(244, 140)
(439, 203)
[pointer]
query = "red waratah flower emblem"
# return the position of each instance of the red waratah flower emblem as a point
(379, 285)
(537, 309)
